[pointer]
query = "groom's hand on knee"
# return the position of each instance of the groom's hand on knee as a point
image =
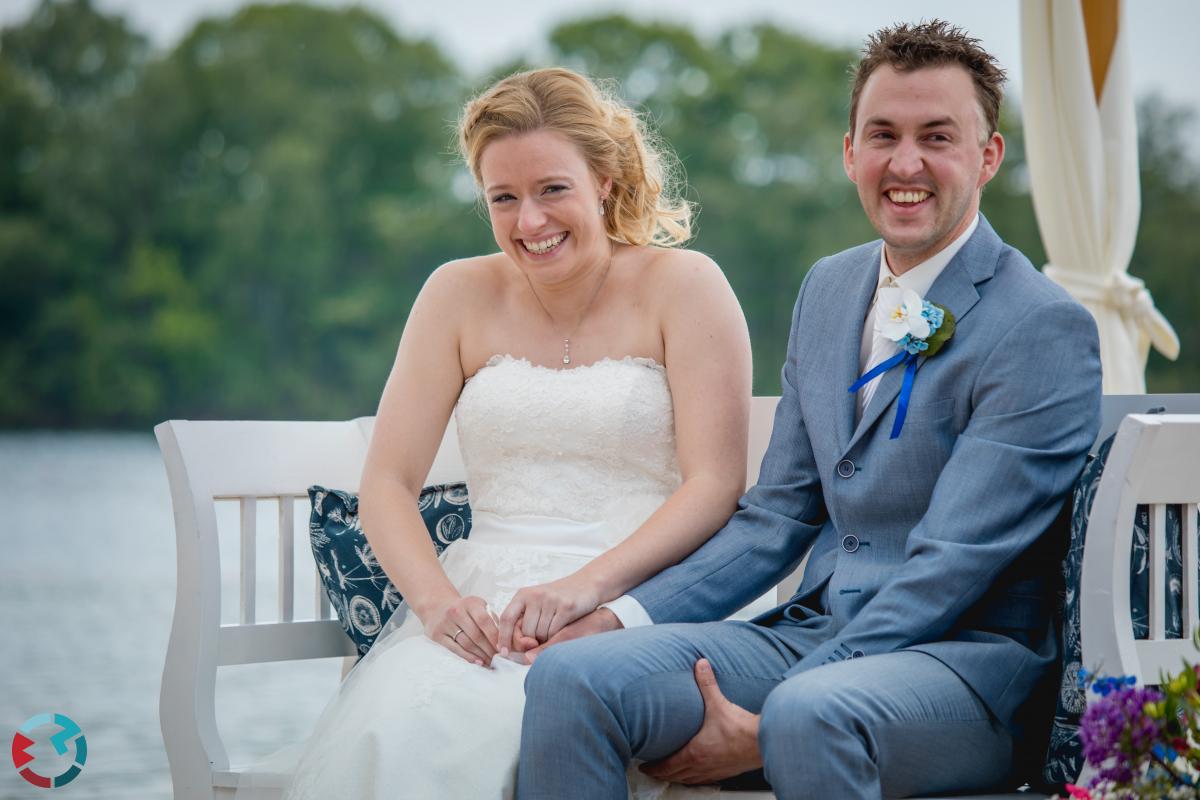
(599, 621)
(726, 744)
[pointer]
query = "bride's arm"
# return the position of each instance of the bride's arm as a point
(418, 398)
(707, 349)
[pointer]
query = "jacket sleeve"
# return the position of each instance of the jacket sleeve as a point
(775, 524)
(1036, 411)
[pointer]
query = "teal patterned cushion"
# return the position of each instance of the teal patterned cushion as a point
(1139, 574)
(356, 585)
(1064, 758)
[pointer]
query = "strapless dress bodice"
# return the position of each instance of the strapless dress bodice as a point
(574, 443)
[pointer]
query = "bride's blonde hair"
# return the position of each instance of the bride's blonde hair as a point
(644, 206)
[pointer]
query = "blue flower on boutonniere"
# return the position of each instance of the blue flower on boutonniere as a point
(919, 327)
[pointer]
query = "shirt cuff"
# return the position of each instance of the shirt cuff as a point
(629, 612)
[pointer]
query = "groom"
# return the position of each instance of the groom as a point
(923, 621)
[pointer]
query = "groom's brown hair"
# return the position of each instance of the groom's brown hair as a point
(936, 43)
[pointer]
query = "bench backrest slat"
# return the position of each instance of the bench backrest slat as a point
(286, 563)
(1153, 463)
(249, 567)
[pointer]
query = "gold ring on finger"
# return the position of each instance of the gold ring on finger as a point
(457, 633)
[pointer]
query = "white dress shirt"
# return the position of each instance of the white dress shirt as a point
(875, 349)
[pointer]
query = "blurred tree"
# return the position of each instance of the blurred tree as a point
(237, 227)
(1167, 254)
(59, 74)
(75, 55)
(309, 196)
(272, 194)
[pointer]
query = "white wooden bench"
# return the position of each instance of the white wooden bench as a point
(274, 462)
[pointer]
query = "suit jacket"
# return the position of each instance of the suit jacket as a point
(932, 541)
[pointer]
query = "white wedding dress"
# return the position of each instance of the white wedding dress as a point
(561, 465)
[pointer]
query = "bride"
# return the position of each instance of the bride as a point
(600, 379)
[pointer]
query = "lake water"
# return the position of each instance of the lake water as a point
(87, 590)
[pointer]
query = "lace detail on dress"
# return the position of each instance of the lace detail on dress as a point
(426, 676)
(577, 443)
(641, 361)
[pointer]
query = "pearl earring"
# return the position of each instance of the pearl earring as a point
(602, 208)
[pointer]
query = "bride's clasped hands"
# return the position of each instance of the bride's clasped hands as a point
(467, 626)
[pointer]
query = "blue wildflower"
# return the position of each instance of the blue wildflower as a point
(933, 315)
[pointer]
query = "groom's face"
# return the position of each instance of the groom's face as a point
(919, 157)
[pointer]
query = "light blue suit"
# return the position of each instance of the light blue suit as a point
(928, 556)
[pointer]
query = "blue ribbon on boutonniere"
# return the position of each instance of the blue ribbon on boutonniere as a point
(919, 327)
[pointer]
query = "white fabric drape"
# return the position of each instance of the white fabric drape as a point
(1083, 168)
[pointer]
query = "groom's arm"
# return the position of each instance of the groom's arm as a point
(766, 538)
(1036, 412)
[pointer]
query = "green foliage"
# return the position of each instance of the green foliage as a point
(73, 54)
(262, 201)
(237, 227)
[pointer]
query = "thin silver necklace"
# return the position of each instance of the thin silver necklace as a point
(566, 356)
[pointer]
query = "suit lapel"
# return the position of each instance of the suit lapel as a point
(848, 331)
(955, 289)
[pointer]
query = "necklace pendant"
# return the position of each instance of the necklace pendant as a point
(567, 350)
(566, 359)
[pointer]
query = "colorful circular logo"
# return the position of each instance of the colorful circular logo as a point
(69, 735)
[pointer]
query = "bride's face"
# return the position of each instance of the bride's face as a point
(544, 204)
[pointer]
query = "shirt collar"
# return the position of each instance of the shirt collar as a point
(922, 276)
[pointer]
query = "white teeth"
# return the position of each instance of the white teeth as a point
(549, 244)
(907, 197)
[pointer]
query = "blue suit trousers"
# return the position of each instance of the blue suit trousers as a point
(892, 725)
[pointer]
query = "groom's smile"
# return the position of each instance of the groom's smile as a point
(919, 157)
(908, 199)
(906, 204)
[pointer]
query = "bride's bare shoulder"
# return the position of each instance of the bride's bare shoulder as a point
(465, 282)
(673, 272)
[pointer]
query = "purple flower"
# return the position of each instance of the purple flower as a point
(1117, 727)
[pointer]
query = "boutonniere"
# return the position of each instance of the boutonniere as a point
(920, 327)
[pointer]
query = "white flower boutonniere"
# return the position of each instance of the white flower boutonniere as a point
(920, 327)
